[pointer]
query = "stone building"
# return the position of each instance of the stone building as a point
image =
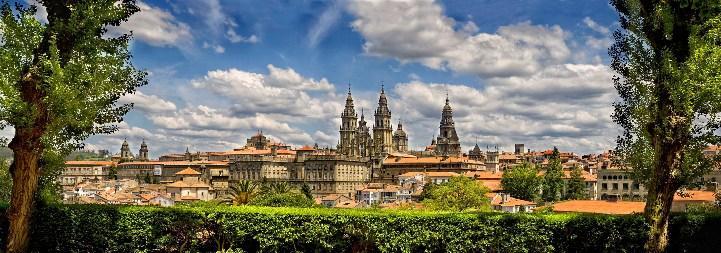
(448, 143)
(382, 129)
(349, 143)
(143, 152)
(325, 172)
(400, 139)
(76, 172)
(393, 166)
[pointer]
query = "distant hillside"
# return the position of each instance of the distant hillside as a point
(86, 156)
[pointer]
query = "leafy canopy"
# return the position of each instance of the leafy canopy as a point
(458, 194)
(82, 76)
(522, 182)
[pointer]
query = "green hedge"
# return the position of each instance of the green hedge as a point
(94, 228)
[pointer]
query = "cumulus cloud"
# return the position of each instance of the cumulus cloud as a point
(566, 105)
(281, 91)
(418, 31)
(156, 27)
(147, 103)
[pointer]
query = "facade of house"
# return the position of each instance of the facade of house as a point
(189, 187)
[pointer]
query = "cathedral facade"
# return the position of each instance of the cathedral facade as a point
(356, 139)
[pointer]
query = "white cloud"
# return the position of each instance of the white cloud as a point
(566, 105)
(418, 31)
(215, 47)
(595, 26)
(325, 22)
(148, 103)
(281, 91)
(156, 27)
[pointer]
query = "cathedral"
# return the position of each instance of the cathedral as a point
(356, 139)
(355, 135)
(127, 156)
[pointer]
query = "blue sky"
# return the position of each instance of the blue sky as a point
(522, 71)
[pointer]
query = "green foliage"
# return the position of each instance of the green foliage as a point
(98, 228)
(458, 194)
(6, 181)
(553, 179)
(522, 182)
(576, 185)
(242, 192)
(81, 101)
(305, 189)
(287, 199)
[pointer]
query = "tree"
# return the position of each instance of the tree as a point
(522, 182)
(60, 84)
(576, 188)
(553, 178)
(305, 189)
(666, 57)
(458, 194)
(242, 192)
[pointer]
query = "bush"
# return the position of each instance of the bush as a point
(96, 228)
(288, 199)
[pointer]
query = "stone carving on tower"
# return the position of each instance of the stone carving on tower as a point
(364, 138)
(447, 143)
(125, 154)
(349, 129)
(143, 152)
(400, 139)
(382, 129)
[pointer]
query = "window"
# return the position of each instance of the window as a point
(604, 186)
(615, 186)
(635, 186)
(625, 186)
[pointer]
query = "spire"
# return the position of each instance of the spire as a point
(400, 125)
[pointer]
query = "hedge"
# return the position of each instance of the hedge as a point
(100, 228)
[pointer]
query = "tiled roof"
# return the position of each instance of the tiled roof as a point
(599, 206)
(90, 163)
(430, 174)
(259, 152)
(183, 184)
(704, 196)
(188, 171)
(497, 200)
(484, 174)
(427, 160)
(493, 185)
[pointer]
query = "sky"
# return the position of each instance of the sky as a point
(516, 71)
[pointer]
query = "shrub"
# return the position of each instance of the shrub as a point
(96, 228)
(288, 199)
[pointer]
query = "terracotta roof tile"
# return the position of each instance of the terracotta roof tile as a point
(599, 206)
(188, 171)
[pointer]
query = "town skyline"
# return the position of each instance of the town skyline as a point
(217, 77)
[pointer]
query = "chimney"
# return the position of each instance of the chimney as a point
(504, 197)
(273, 150)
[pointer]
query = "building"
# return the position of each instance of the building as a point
(505, 203)
(447, 143)
(519, 149)
(189, 187)
(143, 152)
(325, 172)
(349, 129)
(400, 139)
(76, 172)
(382, 129)
(617, 184)
(682, 200)
(396, 165)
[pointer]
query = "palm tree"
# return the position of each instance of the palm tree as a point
(280, 187)
(242, 192)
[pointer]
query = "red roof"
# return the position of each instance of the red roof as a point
(599, 206)
(188, 171)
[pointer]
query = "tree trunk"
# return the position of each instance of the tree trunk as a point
(25, 173)
(658, 208)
